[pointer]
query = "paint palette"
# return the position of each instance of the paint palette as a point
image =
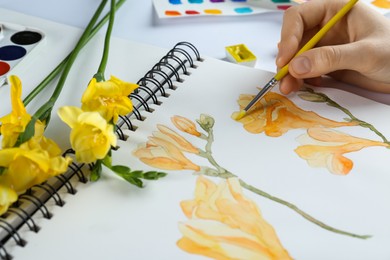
(382, 6)
(17, 42)
(180, 8)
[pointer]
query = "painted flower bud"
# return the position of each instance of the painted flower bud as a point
(312, 97)
(206, 122)
(185, 125)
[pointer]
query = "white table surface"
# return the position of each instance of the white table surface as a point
(138, 21)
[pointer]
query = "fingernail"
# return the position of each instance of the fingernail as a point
(301, 65)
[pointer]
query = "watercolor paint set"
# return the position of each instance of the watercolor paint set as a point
(182, 8)
(18, 44)
(382, 6)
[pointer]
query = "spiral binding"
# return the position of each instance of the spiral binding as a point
(169, 70)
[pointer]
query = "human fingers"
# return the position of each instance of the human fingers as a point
(359, 80)
(289, 84)
(297, 21)
(323, 60)
(314, 81)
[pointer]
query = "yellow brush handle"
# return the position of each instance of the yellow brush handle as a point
(317, 37)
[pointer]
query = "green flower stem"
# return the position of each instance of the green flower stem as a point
(223, 173)
(57, 91)
(41, 86)
(103, 63)
(362, 123)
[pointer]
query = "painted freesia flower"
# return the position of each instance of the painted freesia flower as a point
(109, 98)
(185, 125)
(165, 150)
(223, 224)
(7, 197)
(173, 137)
(326, 148)
(91, 136)
(275, 115)
(13, 124)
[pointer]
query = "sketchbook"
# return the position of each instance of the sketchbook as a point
(302, 176)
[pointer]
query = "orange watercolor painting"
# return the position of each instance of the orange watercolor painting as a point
(275, 115)
(224, 224)
(165, 150)
(323, 147)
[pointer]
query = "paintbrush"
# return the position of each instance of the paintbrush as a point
(283, 71)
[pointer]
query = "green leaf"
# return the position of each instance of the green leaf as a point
(28, 132)
(107, 161)
(96, 171)
(134, 177)
(46, 117)
(126, 174)
(153, 175)
(120, 169)
(135, 181)
(137, 174)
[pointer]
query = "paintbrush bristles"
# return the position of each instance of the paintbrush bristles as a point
(238, 115)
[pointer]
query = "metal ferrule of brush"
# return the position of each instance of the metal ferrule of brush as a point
(272, 83)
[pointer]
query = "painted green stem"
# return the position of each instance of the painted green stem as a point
(41, 86)
(208, 153)
(299, 211)
(223, 173)
(362, 123)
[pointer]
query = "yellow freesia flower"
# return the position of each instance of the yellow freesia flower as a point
(164, 150)
(109, 98)
(14, 123)
(326, 148)
(7, 197)
(91, 136)
(224, 224)
(31, 163)
(275, 115)
(185, 125)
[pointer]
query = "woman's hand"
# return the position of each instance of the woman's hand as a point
(356, 50)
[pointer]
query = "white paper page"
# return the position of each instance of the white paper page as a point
(112, 219)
